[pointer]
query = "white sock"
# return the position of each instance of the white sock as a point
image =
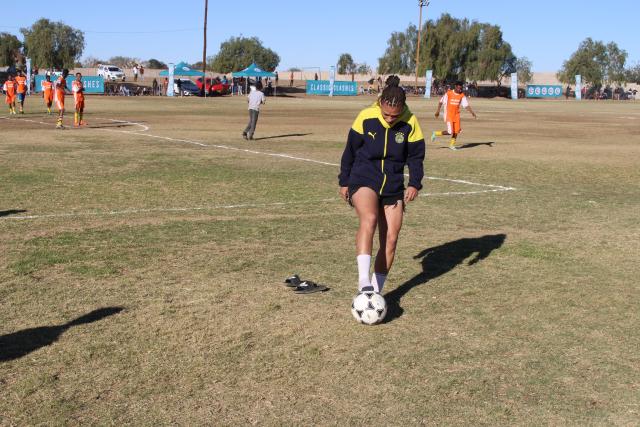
(377, 281)
(364, 265)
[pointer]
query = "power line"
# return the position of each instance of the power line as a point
(178, 30)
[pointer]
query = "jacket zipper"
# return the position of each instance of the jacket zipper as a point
(384, 156)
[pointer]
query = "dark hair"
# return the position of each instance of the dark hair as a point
(259, 85)
(65, 72)
(393, 95)
(459, 83)
(79, 73)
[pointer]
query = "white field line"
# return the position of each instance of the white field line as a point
(209, 208)
(491, 188)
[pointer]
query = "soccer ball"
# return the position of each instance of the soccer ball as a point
(369, 308)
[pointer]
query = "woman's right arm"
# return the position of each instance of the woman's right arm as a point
(354, 143)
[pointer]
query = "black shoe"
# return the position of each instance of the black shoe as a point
(251, 138)
(244, 135)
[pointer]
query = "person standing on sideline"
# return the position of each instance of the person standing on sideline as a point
(135, 73)
(78, 96)
(47, 92)
(255, 99)
(60, 92)
(567, 92)
(383, 139)
(291, 80)
(452, 101)
(21, 89)
(9, 89)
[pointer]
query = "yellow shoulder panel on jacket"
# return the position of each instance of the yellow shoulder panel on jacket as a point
(368, 113)
(416, 132)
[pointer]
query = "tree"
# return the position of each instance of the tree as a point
(633, 74)
(53, 44)
(123, 61)
(455, 49)
(92, 62)
(237, 53)
(155, 64)
(523, 68)
(399, 57)
(346, 64)
(597, 63)
(363, 68)
(9, 49)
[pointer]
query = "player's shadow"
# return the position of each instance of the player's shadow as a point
(112, 125)
(440, 260)
(281, 136)
(472, 145)
(476, 144)
(11, 212)
(19, 344)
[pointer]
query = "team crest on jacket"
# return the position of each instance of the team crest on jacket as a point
(399, 137)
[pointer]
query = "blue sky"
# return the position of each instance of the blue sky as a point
(314, 34)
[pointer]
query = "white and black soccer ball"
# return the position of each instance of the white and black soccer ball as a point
(369, 308)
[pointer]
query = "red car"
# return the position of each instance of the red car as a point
(214, 86)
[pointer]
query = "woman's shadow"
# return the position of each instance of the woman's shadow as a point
(19, 344)
(440, 260)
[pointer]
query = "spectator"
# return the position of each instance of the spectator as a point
(315, 77)
(165, 86)
(180, 87)
(291, 80)
(135, 73)
(276, 78)
(141, 71)
(154, 85)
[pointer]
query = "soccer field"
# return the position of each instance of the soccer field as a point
(513, 300)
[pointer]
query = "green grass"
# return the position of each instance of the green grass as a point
(514, 308)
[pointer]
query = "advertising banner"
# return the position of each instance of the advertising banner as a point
(514, 86)
(428, 82)
(544, 91)
(579, 87)
(325, 88)
(92, 84)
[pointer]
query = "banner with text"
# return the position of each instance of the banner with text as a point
(514, 86)
(323, 87)
(92, 84)
(544, 91)
(579, 87)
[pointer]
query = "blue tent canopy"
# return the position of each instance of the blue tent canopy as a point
(253, 71)
(182, 69)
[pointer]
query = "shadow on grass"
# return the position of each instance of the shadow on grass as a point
(112, 125)
(282, 136)
(11, 212)
(19, 344)
(472, 145)
(439, 260)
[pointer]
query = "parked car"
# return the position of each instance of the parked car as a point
(187, 87)
(111, 73)
(214, 86)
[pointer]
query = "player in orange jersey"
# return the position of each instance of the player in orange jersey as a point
(60, 91)
(9, 89)
(453, 100)
(21, 89)
(78, 96)
(47, 92)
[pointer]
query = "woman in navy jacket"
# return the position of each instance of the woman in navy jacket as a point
(384, 139)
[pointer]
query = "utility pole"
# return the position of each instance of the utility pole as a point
(204, 49)
(422, 3)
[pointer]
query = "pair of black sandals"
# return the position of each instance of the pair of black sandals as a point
(300, 286)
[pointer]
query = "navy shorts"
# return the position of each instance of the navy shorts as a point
(20, 97)
(387, 200)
